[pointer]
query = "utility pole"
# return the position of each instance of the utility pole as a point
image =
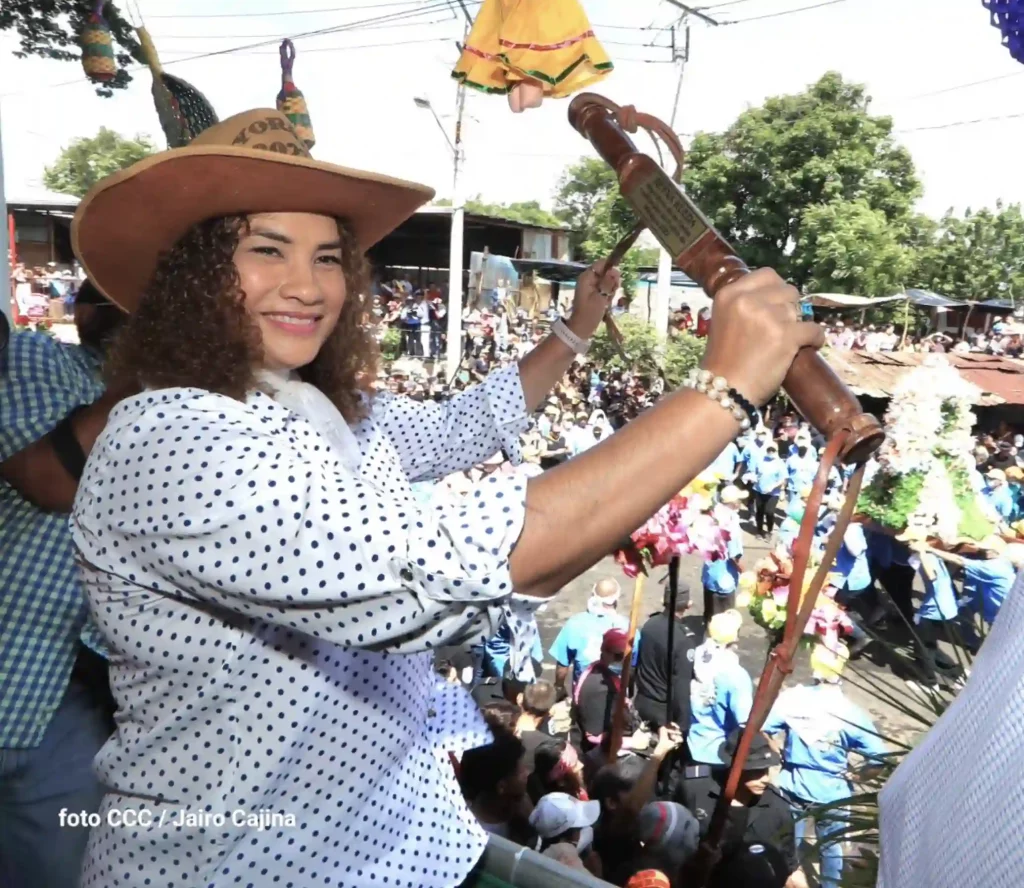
(455, 246)
(5, 247)
(661, 308)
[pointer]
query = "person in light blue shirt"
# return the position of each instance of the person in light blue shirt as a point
(822, 728)
(497, 650)
(769, 479)
(578, 643)
(987, 581)
(856, 589)
(997, 494)
(726, 463)
(752, 450)
(721, 576)
(801, 465)
(721, 692)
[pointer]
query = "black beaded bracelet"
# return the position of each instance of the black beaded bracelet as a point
(718, 389)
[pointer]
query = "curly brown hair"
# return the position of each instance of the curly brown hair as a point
(191, 328)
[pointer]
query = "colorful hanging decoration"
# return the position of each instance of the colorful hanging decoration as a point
(184, 112)
(290, 101)
(529, 49)
(98, 47)
(1008, 17)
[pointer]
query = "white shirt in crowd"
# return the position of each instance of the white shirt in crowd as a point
(271, 593)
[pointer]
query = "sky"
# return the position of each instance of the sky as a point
(930, 64)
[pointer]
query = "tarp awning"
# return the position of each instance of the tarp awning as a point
(843, 300)
(928, 299)
(550, 269)
(920, 298)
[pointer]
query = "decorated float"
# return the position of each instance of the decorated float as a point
(925, 488)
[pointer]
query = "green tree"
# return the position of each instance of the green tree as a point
(647, 353)
(853, 248)
(757, 180)
(581, 188)
(976, 256)
(85, 161)
(50, 29)
(528, 212)
(588, 200)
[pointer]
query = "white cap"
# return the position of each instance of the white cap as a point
(559, 812)
(732, 494)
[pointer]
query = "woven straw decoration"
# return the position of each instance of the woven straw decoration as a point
(184, 112)
(98, 47)
(290, 101)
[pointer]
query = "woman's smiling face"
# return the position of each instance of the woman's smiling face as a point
(291, 272)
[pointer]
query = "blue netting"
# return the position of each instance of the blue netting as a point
(1008, 17)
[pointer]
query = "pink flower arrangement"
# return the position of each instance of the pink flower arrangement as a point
(686, 525)
(768, 599)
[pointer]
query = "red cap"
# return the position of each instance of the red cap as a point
(615, 641)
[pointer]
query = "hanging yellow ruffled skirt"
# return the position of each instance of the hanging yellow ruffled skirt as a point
(546, 42)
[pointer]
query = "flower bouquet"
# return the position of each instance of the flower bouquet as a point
(923, 487)
(765, 593)
(688, 524)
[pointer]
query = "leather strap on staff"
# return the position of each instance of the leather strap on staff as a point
(632, 120)
(780, 660)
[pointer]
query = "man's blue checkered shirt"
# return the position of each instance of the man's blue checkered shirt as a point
(42, 609)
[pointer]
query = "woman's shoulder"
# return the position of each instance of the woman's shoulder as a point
(168, 407)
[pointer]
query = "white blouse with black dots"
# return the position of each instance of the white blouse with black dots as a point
(271, 615)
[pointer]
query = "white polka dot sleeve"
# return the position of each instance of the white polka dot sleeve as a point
(434, 439)
(203, 498)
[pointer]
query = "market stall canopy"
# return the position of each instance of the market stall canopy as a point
(679, 278)
(928, 299)
(842, 300)
(920, 298)
(550, 269)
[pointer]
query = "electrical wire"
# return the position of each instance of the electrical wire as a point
(957, 123)
(209, 15)
(959, 86)
(771, 15)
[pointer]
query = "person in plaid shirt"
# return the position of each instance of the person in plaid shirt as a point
(55, 709)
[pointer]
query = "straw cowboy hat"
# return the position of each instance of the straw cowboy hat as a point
(250, 163)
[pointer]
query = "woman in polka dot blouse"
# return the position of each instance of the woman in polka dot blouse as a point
(268, 585)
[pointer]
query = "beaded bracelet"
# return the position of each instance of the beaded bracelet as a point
(718, 389)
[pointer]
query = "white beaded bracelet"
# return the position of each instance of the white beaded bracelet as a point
(718, 389)
(576, 343)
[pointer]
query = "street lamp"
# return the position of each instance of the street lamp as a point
(454, 351)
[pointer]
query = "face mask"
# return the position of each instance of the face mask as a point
(615, 668)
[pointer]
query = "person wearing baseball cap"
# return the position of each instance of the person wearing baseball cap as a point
(595, 693)
(997, 494)
(823, 727)
(758, 814)
(651, 672)
(565, 827)
(578, 643)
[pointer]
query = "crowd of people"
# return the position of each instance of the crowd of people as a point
(546, 780)
(1004, 337)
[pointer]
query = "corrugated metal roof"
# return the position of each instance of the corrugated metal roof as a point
(876, 375)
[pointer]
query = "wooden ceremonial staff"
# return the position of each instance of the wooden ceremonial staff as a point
(673, 595)
(811, 385)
